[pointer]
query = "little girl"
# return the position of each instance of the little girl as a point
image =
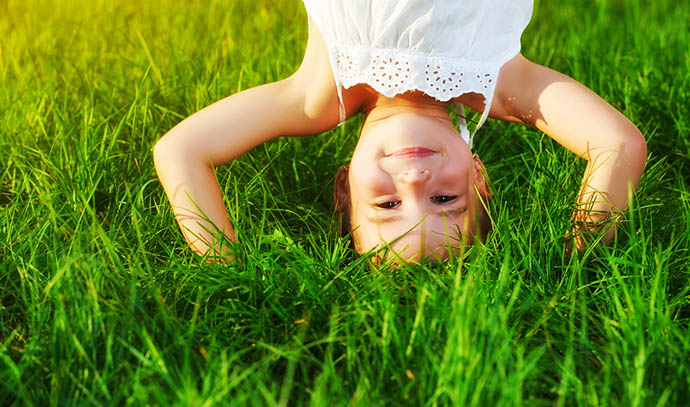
(413, 184)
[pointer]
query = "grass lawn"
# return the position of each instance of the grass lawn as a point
(102, 303)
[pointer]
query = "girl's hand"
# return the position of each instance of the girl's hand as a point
(589, 228)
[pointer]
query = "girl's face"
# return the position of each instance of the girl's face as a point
(412, 186)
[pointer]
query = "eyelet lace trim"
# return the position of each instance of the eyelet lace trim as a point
(394, 71)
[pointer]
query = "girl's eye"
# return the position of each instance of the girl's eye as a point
(441, 199)
(388, 205)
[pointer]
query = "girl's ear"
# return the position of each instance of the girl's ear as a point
(341, 197)
(481, 178)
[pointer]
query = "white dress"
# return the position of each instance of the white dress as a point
(444, 48)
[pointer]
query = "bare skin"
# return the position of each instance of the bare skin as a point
(412, 181)
(306, 103)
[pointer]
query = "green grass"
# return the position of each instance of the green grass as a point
(101, 303)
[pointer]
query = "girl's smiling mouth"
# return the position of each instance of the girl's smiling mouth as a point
(412, 152)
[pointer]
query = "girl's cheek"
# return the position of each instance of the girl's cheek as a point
(369, 176)
(381, 183)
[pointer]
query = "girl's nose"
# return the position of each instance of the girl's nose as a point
(414, 176)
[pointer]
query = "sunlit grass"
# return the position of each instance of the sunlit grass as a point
(101, 303)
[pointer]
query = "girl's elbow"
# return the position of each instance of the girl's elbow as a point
(163, 150)
(632, 151)
(173, 146)
(170, 150)
(636, 147)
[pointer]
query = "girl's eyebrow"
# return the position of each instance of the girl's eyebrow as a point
(383, 220)
(453, 213)
(449, 214)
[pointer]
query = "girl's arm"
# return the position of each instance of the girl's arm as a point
(585, 124)
(303, 104)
